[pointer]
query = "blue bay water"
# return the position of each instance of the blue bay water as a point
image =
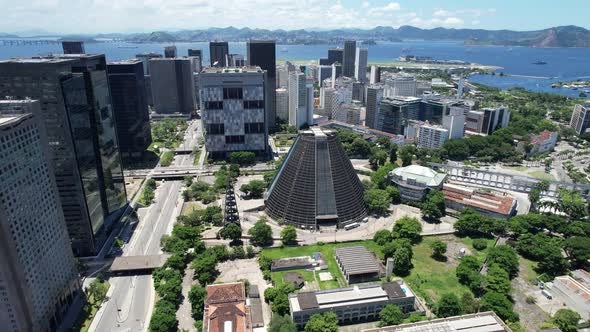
(563, 64)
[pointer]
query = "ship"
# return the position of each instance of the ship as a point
(539, 62)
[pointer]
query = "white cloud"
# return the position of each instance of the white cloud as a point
(392, 6)
(365, 4)
(441, 12)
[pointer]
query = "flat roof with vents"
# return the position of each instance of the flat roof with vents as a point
(357, 260)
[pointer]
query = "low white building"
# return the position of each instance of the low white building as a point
(544, 142)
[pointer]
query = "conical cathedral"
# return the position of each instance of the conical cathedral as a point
(316, 185)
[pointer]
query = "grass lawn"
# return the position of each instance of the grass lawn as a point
(328, 251)
(87, 314)
(527, 271)
(516, 168)
(190, 206)
(541, 175)
(431, 278)
(468, 242)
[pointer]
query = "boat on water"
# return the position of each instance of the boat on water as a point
(539, 62)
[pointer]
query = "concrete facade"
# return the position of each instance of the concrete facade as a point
(233, 109)
(360, 66)
(580, 121)
(432, 136)
(38, 274)
(172, 85)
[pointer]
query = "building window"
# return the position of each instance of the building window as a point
(249, 104)
(214, 105)
(234, 139)
(215, 129)
(232, 93)
(254, 128)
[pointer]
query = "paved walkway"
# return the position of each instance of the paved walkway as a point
(185, 320)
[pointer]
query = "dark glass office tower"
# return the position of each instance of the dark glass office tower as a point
(192, 52)
(84, 151)
(335, 55)
(127, 83)
(73, 47)
(262, 53)
(170, 51)
(349, 58)
(218, 52)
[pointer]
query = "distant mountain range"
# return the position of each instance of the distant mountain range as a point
(563, 36)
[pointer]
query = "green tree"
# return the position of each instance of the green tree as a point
(377, 201)
(382, 237)
(205, 268)
(378, 158)
(497, 280)
(261, 234)
(390, 248)
(448, 305)
(407, 154)
(434, 207)
(281, 324)
(572, 204)
(393, 153)
(270, 294)
(196, 297)
(379, 177)
(402, 261)
(457, 149)
(408, 228)
(254, 188)
(469, 304)
(578, 249)
(98, 290)
(472, 223)
(242, 157)
(468, 273)
(167, 158)
(500, 304)
(359, 148)
(566, 320)
(164, 317)
(506, 258)
(326, 322)
(280, 304)
(231, 231)
(289, 235)
(391, 314)
(394, 194)
(439, 249)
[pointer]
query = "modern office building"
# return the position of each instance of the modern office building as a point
(38, 274)
(324, 72)
(474, 122)
(358, 91)
(145, 60)
(195, 52)
(373, 103)
(404, 86)
(415, 181)
(218, 51)
(351, 305)
(335, 55)
(172, 85)
(479, 322)
(170, 52)
(487, 120)
(580, 121)
(432, 136)
(454, 122)
(349, 58)
(394, 114)
(298, 110)
(235, 60)
(73, 47)
(282, 101)
(375, 76)
(128, 92)
(316, 184)
(349, 113)
(233, 110)
(83, 145)
(433, 109)
(360, 66)
(262, 53)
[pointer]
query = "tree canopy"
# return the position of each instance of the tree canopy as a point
(407, 228)
(261, 234)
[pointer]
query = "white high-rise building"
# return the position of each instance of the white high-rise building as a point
(38, 274)
(454, 122)
(310, 101)
(350, 114)
(282, 104)
(432, 136)
(360, 66)
(297, 99)
(580, 120)
(404, 86)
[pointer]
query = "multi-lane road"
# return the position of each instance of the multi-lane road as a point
(130, 298)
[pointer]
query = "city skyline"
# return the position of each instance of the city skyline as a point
(31, 19)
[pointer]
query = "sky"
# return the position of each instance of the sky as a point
(107, 16)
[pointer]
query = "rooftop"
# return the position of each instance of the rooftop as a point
(348, 296)
(480, 322)
(542, 137)
(225, 309)
(124, 62)
(420, 174)
(231, 70)
(356, 260)
(479, 199)
(401, 100)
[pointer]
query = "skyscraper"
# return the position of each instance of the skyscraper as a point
(73, 47)
(262, 53)
(145, 60)
(298, 113)
(195, 52)
(233, 110)
(580, 120)
(38, 275)
(348, 59)
(282, 99)
(170, 51)
(374, 96)
(455, 122)
(394, 114)
(235, 60)
(360, 66)
(218, 51)
(335, 55)
(172, 85)
(375, 75)
(127, 83)
(80, 126)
